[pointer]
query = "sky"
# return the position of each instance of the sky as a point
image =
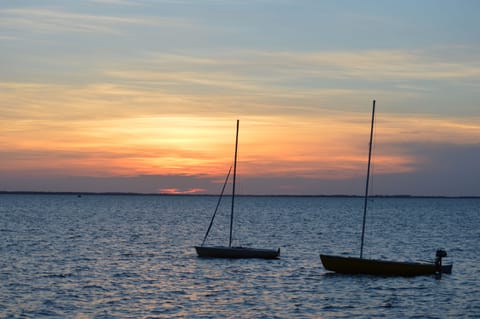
(143, 96)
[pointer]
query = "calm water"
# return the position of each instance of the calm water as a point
(133, 257)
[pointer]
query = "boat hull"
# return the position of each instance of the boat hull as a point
(352, 265)
(236, 252)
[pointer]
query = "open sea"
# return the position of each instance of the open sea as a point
(100, 256)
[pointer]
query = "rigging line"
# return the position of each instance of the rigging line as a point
(216, 208)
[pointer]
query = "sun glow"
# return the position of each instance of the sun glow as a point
(331, 146)
(176, 191)
(92, 138)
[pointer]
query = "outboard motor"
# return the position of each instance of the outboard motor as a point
(438, 260)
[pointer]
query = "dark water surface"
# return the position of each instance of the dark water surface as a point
(133, 257)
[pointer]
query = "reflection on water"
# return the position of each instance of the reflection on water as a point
(133, 257)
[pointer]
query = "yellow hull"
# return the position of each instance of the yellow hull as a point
(352, 265)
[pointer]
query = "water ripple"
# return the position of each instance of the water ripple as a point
(133, 257)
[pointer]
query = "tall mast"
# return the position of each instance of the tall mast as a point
(368, 179)
(233, 186)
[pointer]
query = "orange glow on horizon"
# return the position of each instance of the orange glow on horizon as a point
(331, 146)
(176, 191)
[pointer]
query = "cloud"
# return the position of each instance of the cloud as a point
(250, 82)
(70, 102)
(135, 184)
(298, 81)
(117, 2)
(368, 64)
(330, 145)
(436, 177)
(444, 169)
(397, 65)
(50, 20)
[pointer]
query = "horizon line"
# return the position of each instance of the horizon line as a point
(79, 194)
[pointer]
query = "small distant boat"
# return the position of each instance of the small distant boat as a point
(354, 265)
(232, 251)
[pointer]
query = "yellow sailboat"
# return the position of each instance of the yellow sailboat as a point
(355, 265)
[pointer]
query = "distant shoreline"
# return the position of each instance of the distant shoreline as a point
(79, 194)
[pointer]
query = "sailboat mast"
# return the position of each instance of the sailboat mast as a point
(233, 186)
(368, 179)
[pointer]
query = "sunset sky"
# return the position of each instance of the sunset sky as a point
(143, 95)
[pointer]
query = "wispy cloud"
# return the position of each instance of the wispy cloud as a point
(371, 64)
(303, 73)
(117, 2)
(259, 82)
(59, 21)
(96, 135)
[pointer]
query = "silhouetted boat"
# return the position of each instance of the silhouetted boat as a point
(236, 252)
(354, 265)
(232, 251)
